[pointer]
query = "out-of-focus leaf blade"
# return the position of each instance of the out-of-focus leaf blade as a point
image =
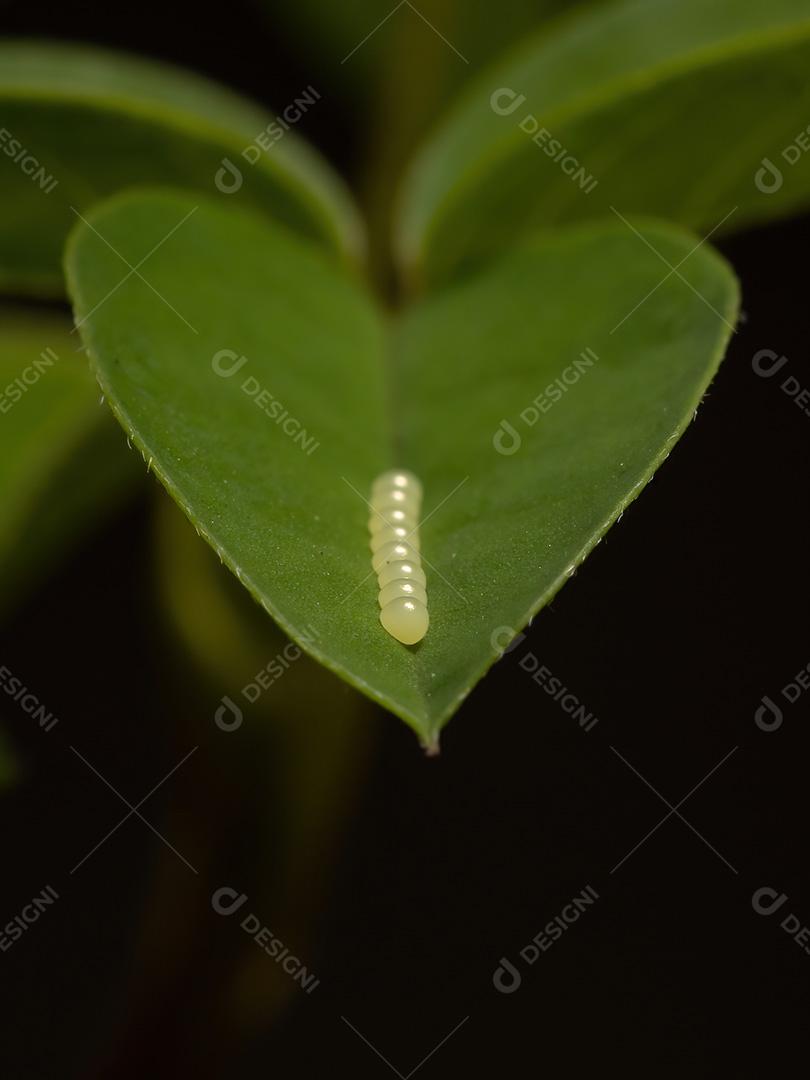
(80, 123)
(62, 464)
(297, 751)
(662, 107)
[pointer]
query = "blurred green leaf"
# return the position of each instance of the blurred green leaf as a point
(507, 530)
(667, 106)
(306, 713)
(62, 464)
(297, 757)
(80, 123)
(367, 51)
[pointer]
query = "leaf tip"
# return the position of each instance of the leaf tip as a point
(431, 746)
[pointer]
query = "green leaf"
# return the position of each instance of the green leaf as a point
(62, 465)
(662, 107)
(502, 532)
(80, 123)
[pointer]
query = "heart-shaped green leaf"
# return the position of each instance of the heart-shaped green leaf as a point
(81, 123)
(62, 464)
(267, 408)
(664, 107)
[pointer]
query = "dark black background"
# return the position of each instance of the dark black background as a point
(693, 608)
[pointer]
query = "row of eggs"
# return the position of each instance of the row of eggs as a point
(396, 501)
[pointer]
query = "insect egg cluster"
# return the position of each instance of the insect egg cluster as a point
(396, 500)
